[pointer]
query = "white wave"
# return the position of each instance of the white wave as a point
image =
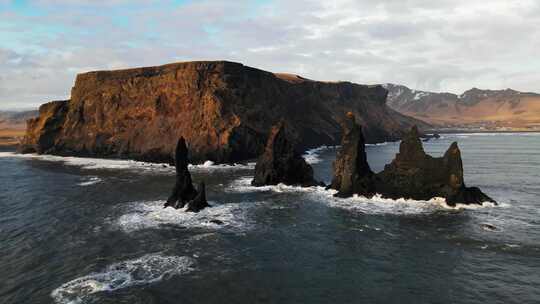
(91, 181)
(122, 164)
(380, 205)
(243, 184)
(374, 205)
(380, 144)
(151, 214)
(312, 156)
(210, 166)
(147, 269)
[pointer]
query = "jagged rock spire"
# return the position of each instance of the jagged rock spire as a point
(281, 163)
(183, 191)
(412, 173)
(410, 148)
(352, 173)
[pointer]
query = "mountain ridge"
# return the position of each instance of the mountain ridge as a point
(474, 108)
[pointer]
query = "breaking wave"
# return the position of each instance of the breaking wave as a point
(380, 144)
(210, 165)
(312, 156)
(151, 214)
(123, 164)
(90, 181)
(374, 205)
(147, 269)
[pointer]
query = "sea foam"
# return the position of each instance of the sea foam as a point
(147, 269)
(374, 205)
(151, 214)
(312, 156)
(90, 181)
(88, 163)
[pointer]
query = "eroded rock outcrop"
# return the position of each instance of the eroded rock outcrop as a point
(223, 109)
(412, 174)
(183, 192)
(281, 162)
(352, 174)
(199, 202)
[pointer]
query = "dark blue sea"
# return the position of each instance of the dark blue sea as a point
(75, 230)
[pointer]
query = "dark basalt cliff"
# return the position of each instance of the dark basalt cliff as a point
(412, 173)
(223, 109)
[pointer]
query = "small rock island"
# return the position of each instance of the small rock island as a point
(412, 174)
(184, 193)
(281, 162)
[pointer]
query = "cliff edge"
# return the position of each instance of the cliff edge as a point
(223, 109)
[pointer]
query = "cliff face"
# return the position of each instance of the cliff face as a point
(223, 109)
(43, 131)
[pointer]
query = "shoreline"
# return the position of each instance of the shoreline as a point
(469, 131)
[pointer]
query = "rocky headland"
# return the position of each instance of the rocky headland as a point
(223, 109)
(412, 174)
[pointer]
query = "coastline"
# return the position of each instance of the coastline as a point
(470, 131)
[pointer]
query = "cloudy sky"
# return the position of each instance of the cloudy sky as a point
(439, 45)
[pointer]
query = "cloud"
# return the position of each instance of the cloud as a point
(447, 45)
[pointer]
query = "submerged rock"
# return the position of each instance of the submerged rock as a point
(428, 137)
(184, 192)
(281, 163)
(412, 174)
(352, 174)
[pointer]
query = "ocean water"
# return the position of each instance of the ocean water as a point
(76, 230)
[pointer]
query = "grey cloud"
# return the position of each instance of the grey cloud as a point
(447, 45)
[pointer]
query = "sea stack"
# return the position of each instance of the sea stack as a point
(412, 174)
(352, 174)
(281, 162)
(184, 192)
(199, 202)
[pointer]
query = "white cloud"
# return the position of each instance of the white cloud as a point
(447, 45)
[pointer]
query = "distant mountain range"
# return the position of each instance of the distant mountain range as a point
(16, 119)
(478, 109)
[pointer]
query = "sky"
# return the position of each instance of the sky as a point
(435, 45)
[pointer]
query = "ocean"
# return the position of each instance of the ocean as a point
(79, 230)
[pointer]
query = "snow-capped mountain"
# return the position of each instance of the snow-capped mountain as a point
(475, 107)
